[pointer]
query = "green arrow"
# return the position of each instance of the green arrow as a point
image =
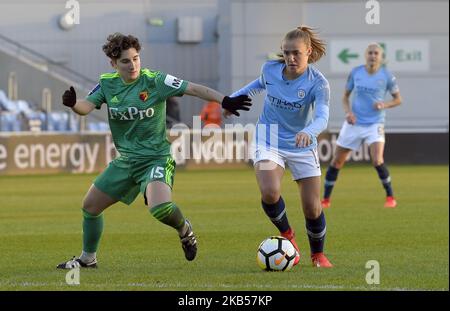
(345, 55)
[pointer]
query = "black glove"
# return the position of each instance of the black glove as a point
(233, 104)
(69, 97)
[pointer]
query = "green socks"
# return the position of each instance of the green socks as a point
(92, 231)
(169, 214)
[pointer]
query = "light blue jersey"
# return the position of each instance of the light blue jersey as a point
(300, 105)
(369, 89)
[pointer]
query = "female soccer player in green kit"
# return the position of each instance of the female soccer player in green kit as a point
(136, 102)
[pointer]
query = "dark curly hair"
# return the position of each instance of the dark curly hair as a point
(117, 42)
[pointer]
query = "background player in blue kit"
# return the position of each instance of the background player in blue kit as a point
(364, 119)
(296, 110)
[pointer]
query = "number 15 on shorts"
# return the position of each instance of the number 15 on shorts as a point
(157, 172)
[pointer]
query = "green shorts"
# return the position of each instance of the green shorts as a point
(124, 178)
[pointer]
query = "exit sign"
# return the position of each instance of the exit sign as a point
(400, 55)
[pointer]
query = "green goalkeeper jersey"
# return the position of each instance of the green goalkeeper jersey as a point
(137, 111)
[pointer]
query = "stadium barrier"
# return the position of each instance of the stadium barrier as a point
(46, 153)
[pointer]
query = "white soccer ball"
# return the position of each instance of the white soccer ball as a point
(276, 254)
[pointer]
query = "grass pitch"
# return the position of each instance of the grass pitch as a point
(40, 226)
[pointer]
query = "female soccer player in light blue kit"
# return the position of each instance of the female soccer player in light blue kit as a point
(365, 120)
(295, 111)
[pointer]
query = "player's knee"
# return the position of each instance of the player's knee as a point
(90, 207)
(312, 208)
(313, 212)
(270, 195)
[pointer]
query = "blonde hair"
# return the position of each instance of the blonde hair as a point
(374, 44)
(379, 47)
(310, 38)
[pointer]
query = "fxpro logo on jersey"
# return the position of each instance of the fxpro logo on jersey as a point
(130, 114)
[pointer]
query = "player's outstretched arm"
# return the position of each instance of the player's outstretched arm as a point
(231, 104)
(253, 88)
(349, 116)
(81, 107)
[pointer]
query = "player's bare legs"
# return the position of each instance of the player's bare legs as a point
(159, 201)
(96, 201)
(269, 176)
(340, 156)
(157, 192)
(309, 189)
(376, 154)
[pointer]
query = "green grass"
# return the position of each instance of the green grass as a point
(40, 226)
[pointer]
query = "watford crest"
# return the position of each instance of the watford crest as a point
(143, 96)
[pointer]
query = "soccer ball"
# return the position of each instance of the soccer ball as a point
(276, 254)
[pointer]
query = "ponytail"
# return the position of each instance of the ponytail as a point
(311, 39)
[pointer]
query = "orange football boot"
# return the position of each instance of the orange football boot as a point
(326, 203)
(390, 202)
(320, 261)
